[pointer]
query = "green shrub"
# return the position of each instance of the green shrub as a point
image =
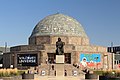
(111, 73)
(99, 72)
(21, 72)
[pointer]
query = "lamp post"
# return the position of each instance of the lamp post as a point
(5, 47)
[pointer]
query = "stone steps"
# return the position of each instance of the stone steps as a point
(61, 68)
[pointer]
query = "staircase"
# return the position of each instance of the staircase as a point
(59, 69)
(70, 68)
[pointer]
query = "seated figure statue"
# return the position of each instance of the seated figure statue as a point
(60, 47)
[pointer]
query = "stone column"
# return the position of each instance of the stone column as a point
(39, 58)
(110, 60)
(15, 60)
(113, 59)
(43, 57)
(105, 61)
(102, 60)
(74, 57)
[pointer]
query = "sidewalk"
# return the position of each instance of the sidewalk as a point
(59, 78)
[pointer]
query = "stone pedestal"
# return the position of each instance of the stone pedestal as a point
(59, 59)
(59, 65)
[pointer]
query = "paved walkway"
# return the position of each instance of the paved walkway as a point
(58, 78)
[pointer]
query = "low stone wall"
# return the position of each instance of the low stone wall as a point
(108, 78)
(27, 76)
(11, 78)
(91, 76)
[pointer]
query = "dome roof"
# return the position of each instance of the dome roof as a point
(58, 25)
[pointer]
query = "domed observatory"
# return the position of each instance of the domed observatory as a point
(58, 25)
(41, 49)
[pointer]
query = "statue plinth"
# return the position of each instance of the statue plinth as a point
(59, 59)
(59, 65)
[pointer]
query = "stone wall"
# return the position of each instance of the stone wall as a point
(22, 48)
(110, 61)
(47, 44)
(91, 48)
(76, 40)
(13, 78)
(7, 60)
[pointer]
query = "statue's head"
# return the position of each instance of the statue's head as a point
(59, 39)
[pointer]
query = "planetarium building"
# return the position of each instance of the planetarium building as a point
(41, 49)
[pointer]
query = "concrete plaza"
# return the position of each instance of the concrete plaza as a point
(59, 78)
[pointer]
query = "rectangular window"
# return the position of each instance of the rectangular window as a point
(115, 62)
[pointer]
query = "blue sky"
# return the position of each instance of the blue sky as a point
(100, 18)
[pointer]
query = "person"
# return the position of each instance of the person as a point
(59, 46)
(50, 61)
(86, 71)
(65, 72)
(54, 61)
(46, 60)
(52, 67)
(55, 72)
(78, 66)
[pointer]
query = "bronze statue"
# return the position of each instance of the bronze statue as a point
(59, 47)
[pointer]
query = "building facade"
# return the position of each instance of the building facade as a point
(3, 50)
(116, 52)
(41, 49)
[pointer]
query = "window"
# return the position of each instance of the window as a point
(118, 48)
(51, 58)
(67, 58)
(117, 62)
